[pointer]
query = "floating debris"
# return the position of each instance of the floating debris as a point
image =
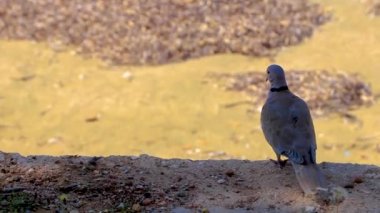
(127, 75)
(93, 118)
(157, 32)
(325, 92)
(26, 77)
(55, 140)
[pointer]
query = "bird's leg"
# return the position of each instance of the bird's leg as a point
(280, 162)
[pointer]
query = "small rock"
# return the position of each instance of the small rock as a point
(93, 161)
(349, 186)
(68, 188)
(121, 206)
(147, 201)
(74, 211)
(77, 203)
(358, 180)
(332, 195)
(147, 195)
(310, 209)
(181, 194)
(139, 187)
(174, 166)
(162, 203)
(31, 170)
(230, 173)
(221, 181)
(136, 207)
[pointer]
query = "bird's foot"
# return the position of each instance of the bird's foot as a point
(281, 163)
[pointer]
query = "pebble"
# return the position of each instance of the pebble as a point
(230, 173)
(310, 209)
(121, 206)
(162, 203)
(181, 194)
(349, 186)
(139, 187)
(136, 207)
(147, 201)
(332, 195)
(358, 180)
(31, 170)
(221, 181)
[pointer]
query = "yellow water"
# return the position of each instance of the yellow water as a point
(169, 111)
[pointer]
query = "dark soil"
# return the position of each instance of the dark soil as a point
(133, 184)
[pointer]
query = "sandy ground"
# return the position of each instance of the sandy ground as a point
(149, 184)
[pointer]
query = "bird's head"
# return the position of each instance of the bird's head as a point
(276, 76)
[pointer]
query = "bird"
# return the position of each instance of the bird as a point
(288, 128)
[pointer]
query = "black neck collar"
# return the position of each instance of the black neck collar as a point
(283, 88)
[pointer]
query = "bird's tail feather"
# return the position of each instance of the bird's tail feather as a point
(310, 177)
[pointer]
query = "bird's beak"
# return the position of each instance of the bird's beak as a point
(266, 79)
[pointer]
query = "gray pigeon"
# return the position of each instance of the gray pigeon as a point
(288, 128)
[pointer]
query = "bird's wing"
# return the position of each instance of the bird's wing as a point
(288, 127)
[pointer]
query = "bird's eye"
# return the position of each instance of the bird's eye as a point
(268, 72)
